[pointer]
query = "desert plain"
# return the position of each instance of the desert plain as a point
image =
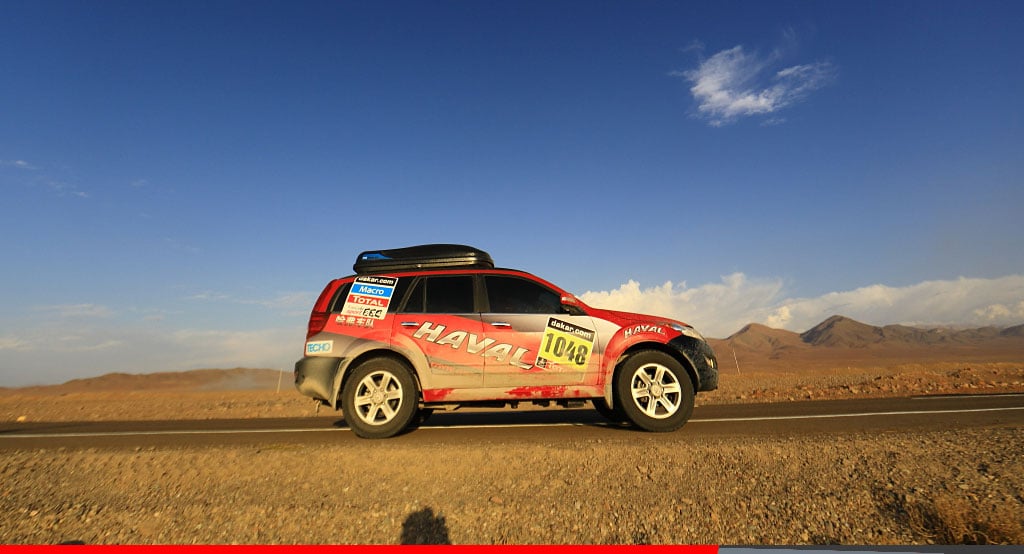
(941, 485)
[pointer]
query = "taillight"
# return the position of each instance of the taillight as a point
(320, 314)
(317, 322)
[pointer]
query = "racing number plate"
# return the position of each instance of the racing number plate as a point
(566, 344)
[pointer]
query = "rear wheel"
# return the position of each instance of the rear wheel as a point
(654, 391)
(379, 399)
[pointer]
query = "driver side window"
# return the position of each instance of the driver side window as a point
(512, 295)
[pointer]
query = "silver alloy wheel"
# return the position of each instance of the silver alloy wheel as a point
(656, 390)
(378, 398)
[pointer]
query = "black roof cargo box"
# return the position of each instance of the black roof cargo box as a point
(425, 256)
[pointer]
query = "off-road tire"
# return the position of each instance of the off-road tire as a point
(379, 399)
(654, 391)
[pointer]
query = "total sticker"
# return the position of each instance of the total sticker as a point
(369, 297)
(566, 344)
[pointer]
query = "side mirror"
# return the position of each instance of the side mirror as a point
(571, 305)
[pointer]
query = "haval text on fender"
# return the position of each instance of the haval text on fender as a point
(438, 326)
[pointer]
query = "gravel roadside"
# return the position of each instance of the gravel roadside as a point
(898, 488)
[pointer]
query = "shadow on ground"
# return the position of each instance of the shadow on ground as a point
(424, 527)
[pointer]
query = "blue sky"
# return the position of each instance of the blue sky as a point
(180, 179)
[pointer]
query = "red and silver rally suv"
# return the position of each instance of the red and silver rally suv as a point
(437, 326)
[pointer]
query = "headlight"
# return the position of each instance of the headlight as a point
(687, 330)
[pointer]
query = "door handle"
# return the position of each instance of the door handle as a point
(501, 324)
(409, 324)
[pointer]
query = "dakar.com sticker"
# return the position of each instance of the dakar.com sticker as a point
(369, 297)
(566, 344)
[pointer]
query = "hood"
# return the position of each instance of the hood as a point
(627, 318)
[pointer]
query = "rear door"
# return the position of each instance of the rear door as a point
(544, 345)
(439, 319)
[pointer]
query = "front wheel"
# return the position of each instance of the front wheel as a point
(654, 391)
(379, 398)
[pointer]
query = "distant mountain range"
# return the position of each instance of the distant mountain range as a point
(839, 331)
(841, 341)
(197, 379)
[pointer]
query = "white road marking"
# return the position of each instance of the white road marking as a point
(500, 426)
(862, 414)
(980, 395)
(158, 433)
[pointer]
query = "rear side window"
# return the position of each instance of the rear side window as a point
(401, 289)
(442, 295)
(339, 298)
(512, 295)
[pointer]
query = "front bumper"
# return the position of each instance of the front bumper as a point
(702, 359)
(315, 377)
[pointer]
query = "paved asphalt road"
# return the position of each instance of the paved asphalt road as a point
(540, 426)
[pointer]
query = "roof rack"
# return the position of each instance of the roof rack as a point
(424, 256)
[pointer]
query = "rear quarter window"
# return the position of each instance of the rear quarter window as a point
(339, 298)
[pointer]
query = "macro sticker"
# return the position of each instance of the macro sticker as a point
(566, 344)
(369, 297)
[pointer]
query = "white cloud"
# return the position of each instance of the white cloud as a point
(733, 84)
(20, 164)
(54, 186)
(59, 340)
(63, 189)
(55, 343)
(1001, 312)
(179, 246)
(257, 348)
(962, 301)
(712, 308)
(14, 343)
(55, 354)
(289, 303)
(77, 310)
(720, 309)
(93, 347)
(209, 296)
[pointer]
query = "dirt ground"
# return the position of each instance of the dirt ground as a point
(939, 486)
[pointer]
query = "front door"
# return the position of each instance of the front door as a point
(545, 347)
